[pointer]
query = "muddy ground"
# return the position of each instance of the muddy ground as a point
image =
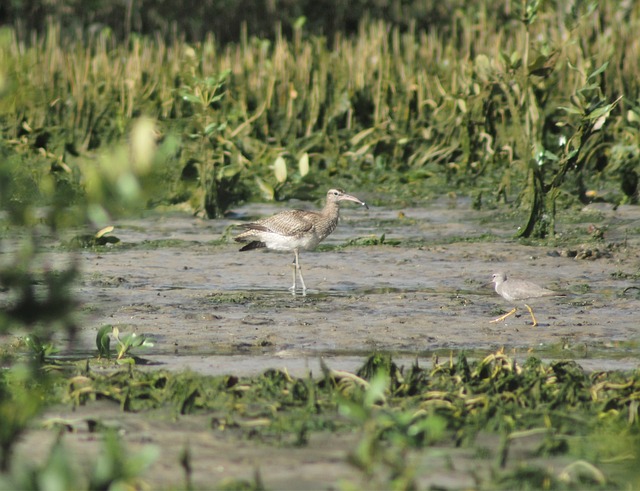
(215, 310)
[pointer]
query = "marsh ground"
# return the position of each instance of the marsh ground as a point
(214, 310)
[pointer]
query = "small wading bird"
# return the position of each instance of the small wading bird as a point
(296, 230)
(516, 290)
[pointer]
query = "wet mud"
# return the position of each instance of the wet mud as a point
(420, 291)
(204, 301)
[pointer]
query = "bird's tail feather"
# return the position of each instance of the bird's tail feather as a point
(256, 244)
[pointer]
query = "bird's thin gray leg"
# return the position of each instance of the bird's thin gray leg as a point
(299, 268)
(294, 266)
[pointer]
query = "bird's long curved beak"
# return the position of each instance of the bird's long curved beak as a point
(348, 197)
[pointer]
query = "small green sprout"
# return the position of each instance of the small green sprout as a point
(103, 341)
(42, 350)
(129, 342)
(125, 343)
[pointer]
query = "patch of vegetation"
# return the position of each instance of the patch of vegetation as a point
(114, 468)
(369, 240)
(269, 300)
(223, 298)
(372, 240)
(401, 411)
(624, 275)
(569, 349)
(513, 109)
(125, 343)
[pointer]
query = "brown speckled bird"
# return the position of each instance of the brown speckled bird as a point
(296, 230)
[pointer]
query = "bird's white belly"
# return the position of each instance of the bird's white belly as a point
(283, 243)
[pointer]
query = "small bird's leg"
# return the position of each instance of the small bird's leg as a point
(535, 322)
(503, 317)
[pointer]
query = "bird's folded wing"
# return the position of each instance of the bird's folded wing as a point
(287, 223)
(253, 226)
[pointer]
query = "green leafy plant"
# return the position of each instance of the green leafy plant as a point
(388, 432)
(125, 343)
(546, 170)
(592, 110)
(103, 341)
(101, 238)
(55, 473)
(115, 468)
(21, 398)
(42, 300)
(41, 349)
(283, 177)
(207, 161)
(128, 342)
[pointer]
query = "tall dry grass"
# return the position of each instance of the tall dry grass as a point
(385, 100)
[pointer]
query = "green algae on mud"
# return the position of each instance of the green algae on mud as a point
(515, 424)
